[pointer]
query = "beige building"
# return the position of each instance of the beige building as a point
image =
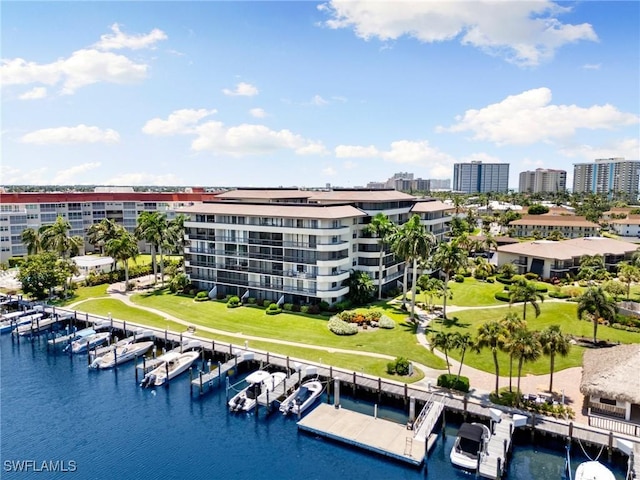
(571, 226)
(607, 175)
(543, 180)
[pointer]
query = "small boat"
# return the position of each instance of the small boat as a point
(593, 470)
(11, 320)
(302, 398)
(470, 444)
(173, 365)
(38, 324)
(87, 343)
(121, 354)
(137, 335)
(259, 382)
(71, 337)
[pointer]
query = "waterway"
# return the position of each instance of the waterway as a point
(102, 425)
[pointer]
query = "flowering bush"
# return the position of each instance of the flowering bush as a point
(386, 322)
(340, 327)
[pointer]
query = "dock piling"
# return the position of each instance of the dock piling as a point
(336, 395)
(136, 368)
(201, 391)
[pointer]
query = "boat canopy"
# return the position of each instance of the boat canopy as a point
(471, 432)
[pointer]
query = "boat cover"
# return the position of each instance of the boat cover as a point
(471, 432)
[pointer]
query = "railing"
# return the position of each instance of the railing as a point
(605, 408)
(614, 425)
(423, 414)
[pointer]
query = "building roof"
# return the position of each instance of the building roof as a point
(568, 249)
(265, 194)
(87, 261)
(275, 210)
(73, 197)
(630, 220)
(612, 373)
(359, 195)
(554, 220)
(431, 206)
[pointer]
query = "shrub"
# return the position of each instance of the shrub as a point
(15, 262)
(504, 280)
(374, 315)
(391, 368)
(502, 296)
(202, 296)
(458, 278)
(452, 381)
(491, 280)
(466, 273)
(340, 327)
(324, 306)
(314, 309)
(343, 305)
(233, 302)
(541, 288)
(531, 276)
(304, 309)
(288, 307)
(266, 303)
(559, 294)
(400, 366)
(296, 308)
(273, 309)
(386, 322)
(251, 300)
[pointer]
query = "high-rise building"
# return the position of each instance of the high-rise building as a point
(543, 180)
(439, 184)
(608, 176)
(478, 177)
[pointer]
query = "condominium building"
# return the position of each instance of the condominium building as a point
(267, 243)
(543, 180)
(19, 211)
(478, 177)
(570, 226)
(608, 176)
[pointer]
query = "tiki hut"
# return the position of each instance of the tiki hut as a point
(611, 381)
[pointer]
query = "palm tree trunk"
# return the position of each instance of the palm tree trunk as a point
(497, 366)
(446, 294)
(446, 358)
(154, 263)
(126, 274)
(404, 283)
(524, 313)
(461, 362)
(553, 361)
(380, 272)
(595, 329)
(510, 370)
(520, 362)
(161, 266)
(414, 279)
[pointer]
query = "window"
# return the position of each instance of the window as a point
(608, 401)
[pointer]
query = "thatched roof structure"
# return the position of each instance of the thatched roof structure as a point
(612, 373)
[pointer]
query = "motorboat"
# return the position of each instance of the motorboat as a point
(173, 365)
(302, 398)
(469, 446)
(121, 354)
(137, 335)
(71, 337)
(259, 382)
(593, 470)
(9, 321)
(37, 325)
(87, 343)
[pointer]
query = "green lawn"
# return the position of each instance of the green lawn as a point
(358, 363)
(560, 313)
(84, 293)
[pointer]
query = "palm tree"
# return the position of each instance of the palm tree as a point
(32, 239)
(462, 342)
(442, 341)
(56, 238)
(100, 233)
(591, 267)
(176, 233)
(554, 342)
(121, 249)
(489, 243)
(491, 334)
(382, 228)
(627, 273)
(152, 228)
(508, 270)
(511, 324)
(483, 268)
(597, 306)
(414, 243)
(525, 346)
(361, 287)
(449, 258)
(525, 292)
(431, 287)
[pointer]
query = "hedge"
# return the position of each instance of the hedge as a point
(452, 381)
(560, 295)
(504, 280)
(502, 296)
(386, 322)
(340, 327)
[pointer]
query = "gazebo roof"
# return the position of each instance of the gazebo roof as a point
(612, 373)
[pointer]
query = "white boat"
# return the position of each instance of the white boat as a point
(302, 398)
(470, 444)
(11, 320)
(259, 382)
(71, 337)
(38, 324)
(137, 335)
(121, 354)
(593, 471)
(87, 343)
(173, 365)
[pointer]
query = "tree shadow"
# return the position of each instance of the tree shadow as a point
(453, 322)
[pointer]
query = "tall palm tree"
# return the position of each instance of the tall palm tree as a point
(597, 305)
(176, 233)
(628, 273)
(442, 341)
(100, 233)
(122, 248)
(32, 239)
(382, 228)
(554, 342)
(491, 335)
(462, 342)
(511, 324)
(449, 258)
(525, 292)
(152, 228)
(525, 346)
(489, 243)
(56, 238)
(431, 287)
(483, 268)
(414, 243)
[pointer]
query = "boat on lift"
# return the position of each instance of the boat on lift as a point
(259, 381)
(302, 398)
(173, 365)
(121, 354)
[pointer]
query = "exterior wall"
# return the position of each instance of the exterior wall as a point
(607, 175)
(626, 229)
(523, 263)
(478, 177)
(543, 180)
(569, 231)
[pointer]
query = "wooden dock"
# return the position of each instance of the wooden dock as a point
(206, 381)
(493, 461)
(266, 399)
(364, 431)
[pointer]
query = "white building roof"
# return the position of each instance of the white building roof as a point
(88, 261)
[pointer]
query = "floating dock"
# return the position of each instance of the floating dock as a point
(206, 381)
(364, 431)
(493, 461)
(265, 399)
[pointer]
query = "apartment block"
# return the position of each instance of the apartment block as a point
(543, 180)
(267, 243)
(478, 177)
(607, 176)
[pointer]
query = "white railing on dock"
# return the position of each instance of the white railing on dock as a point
(614, 425)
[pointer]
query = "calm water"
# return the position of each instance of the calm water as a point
(54, 409)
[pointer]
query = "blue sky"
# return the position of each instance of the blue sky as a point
(307, 93)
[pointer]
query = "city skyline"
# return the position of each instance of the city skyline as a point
(309, 93)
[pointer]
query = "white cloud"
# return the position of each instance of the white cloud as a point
(11, 175)
(34, 94)
(244, 139)
(356, 151)
(628, 148)
(524, 33)
(258, 113)
(349, 165)
(480, 157)
(318, 101)
(118, 40)
(242, 90)
(329, 171)
(530, 117)
(592, 66)
(141, 178)
(71, 135)
(179, 122)
(68, 175)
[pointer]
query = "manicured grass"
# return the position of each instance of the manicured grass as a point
(84, 293)
(357, 363)
(470, 293)
(559, 313)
